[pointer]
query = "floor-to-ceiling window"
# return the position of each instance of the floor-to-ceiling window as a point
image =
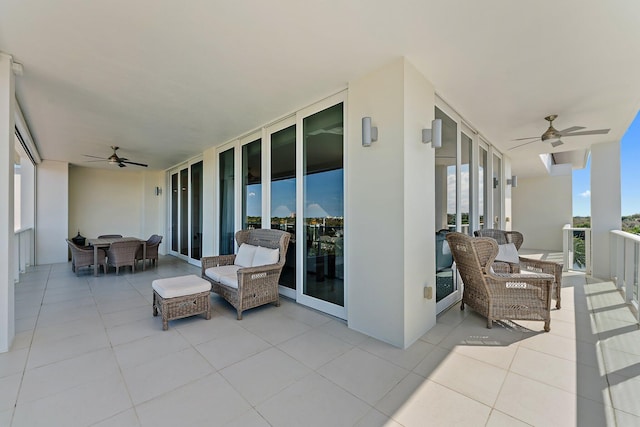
(482, 185)
(252, 184)
(185, 223)
(283, 195)
(466, 183)
(226, 184)
(497, 191)
(323, 163)
(446, 209)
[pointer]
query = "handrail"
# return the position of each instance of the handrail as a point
(625, 261)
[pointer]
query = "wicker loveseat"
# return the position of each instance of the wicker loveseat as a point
(508, 296)
(523, 264)
(250, 278)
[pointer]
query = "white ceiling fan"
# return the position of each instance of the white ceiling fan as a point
(552, 135)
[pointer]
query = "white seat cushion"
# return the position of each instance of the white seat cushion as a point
(229, 280)
(245, 255)
(173, 287)
(265, 256)
(508, 253)
(216, 273)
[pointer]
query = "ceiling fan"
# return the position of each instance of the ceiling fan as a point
(114, 159)
(552, 135)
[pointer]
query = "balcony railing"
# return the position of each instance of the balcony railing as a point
(24, 250)
(625, 258)
(576, 244)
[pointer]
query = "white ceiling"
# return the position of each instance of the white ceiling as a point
(165, 80)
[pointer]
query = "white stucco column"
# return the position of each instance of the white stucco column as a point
(7, 97)
(391, 187)
(606, 211)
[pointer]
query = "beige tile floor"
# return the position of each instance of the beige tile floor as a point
(89, 353)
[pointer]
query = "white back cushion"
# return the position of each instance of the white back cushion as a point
(245, 255)
(265, 256)
(508, 253)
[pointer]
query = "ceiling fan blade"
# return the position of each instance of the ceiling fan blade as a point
(556, 143)
(590, 132)
(522, 145)
(524, 139)
(133, 163)
(94, 161)
(571, 129)
(95, 157)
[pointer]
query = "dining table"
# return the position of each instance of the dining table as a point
(105, 242)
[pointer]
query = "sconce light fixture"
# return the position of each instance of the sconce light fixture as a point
(433, 135)
(369, 133)
(495, 182)
(158, 191)
(513, 181)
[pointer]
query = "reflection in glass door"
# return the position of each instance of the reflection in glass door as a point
(227, 202)
(445, 210)
(185, 232)
(196, 210)
(283, 196)
(497, 192)
(323, 169)
(482, 187)
(252, 185)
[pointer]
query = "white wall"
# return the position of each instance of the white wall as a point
(541, 206)
(105, 201)
(389, 206)
(606, 204)
(7, 241)
(419, 213)
(52, 211)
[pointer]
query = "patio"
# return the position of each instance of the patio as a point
(89, 352)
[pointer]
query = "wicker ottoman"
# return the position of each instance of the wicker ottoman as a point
(182, 296)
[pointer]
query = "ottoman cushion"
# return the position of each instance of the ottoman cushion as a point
(179, 286)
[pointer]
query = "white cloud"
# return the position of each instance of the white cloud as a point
(586, 194)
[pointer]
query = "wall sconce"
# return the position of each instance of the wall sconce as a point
(495, 182)
(433, 135)
(513, 182)
(158, 191)
(369, 133)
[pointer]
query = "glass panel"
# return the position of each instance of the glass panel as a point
(497, 198)
(324, 205)
(283, 195)
(445, 204)
(227, 201)
(184, 212)
(482, 187)
(252, 185)
(196, 210)
(579, 251)
(174, 212)
(466, 183)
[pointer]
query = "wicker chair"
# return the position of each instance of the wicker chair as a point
(494, 295)
(110, 236)
(524, 264)
(248, 287)
(152, 250)
(123, 253)
(83, 257)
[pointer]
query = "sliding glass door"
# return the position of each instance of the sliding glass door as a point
(185, 234)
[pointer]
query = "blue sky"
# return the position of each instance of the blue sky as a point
(630, 176)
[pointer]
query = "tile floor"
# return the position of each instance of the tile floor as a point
(89, 353)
